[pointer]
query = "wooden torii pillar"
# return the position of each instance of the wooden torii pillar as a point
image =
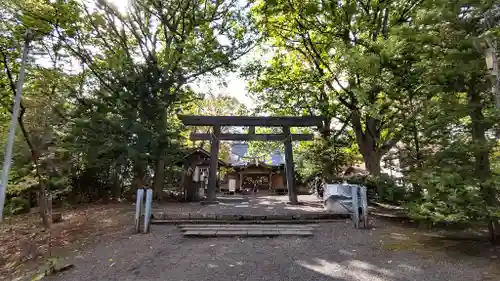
(216, 122)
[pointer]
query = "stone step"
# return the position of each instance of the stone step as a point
(257, 222)
(249, 233)
(159, 216)
(256, 226)
(243, 229)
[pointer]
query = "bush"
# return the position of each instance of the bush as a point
(383, 188)
(17, 205)
(451, 198)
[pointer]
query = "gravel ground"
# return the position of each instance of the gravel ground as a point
(336, 252)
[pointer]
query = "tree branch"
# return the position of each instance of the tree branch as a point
(10, 77)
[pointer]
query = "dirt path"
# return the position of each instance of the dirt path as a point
(99, 241)
(26, 246)
(336, 252)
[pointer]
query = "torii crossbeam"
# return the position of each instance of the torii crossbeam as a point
(251, 121)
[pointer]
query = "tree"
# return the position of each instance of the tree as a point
(352, 62)
(457, 134)
(216, 105)
(42, 107)
(326, 158)
(110, 120)
(143, 62)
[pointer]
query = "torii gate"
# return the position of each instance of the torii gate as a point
(216, 122)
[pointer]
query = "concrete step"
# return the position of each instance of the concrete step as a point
(248, 233)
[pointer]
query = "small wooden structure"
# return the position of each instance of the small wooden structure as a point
(200, 158)
(262, 175)
(216, 122)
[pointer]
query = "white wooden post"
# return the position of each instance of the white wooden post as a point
(203, 185)
(364, 206)
(138, 209)
(147, 212)
(196, 174)
(355, 205)
(232, 186)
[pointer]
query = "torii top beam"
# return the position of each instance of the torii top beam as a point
(285, 121)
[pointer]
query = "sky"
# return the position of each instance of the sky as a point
(236, 86)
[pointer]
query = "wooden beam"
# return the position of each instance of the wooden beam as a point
(290, 121)
(252, 173)
(253, 137)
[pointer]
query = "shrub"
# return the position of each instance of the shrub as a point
(17, 205)
(382, 188)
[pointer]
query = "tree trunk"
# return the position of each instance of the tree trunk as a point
(117, 187)
(325, 131)
(159, 178)
(190, 187)
(481, 156)
(42, 204)
(170, 177)
(368, 142)
(372, 162)
(139, 180)
(417, 189)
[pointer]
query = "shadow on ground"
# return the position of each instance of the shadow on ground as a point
(453, 242)
(261, 205)
(336, 252)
